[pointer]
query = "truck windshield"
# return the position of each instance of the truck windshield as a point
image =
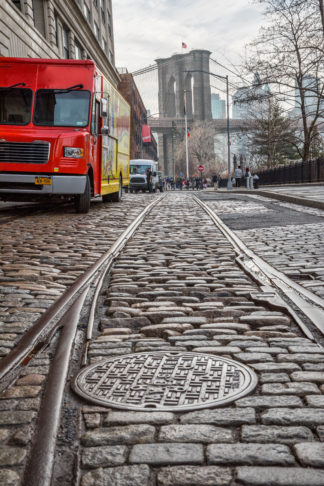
(59, 108)
(139, 169)
(15, 106)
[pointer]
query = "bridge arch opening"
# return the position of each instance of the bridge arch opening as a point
(189, 87)
(171, 97)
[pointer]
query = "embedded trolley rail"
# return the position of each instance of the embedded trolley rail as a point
(274, 290)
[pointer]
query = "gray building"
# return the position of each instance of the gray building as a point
(312, 88)
(249, 101)
(74, 29)
(218, 107)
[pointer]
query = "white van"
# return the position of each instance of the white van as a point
(137, 175)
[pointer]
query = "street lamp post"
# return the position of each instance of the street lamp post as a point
(229, 180)
(186, 133)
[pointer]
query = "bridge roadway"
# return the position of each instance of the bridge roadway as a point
(164, 125)
(176, 287)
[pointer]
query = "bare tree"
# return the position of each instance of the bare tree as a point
(289, 56)
(200, 149)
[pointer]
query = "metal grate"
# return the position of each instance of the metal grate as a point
(138, 179)
(24, 152)
(164, 381)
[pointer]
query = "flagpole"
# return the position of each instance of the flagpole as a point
(186, 132)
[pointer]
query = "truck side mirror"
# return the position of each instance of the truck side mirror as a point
(103, 108)
(104, 130)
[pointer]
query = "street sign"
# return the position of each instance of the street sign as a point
(201, 168)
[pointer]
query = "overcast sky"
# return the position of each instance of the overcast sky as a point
(145, 30)
(148, 29)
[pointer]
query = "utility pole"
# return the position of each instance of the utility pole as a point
(229, 179)
(186, 132)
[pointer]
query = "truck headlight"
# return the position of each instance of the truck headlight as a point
(73, 152)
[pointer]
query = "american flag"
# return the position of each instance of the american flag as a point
(184, 45)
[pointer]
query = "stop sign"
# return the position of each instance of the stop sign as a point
(201, 168)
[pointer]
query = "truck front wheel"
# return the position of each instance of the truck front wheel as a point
(82, 201)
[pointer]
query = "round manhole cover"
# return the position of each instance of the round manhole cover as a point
(164, 381)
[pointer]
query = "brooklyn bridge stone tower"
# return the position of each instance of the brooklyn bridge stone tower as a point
(178, 74)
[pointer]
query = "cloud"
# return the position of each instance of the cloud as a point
(146, 30)
(149, 29)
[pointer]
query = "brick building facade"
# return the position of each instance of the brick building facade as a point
(128, 89)
(74, 29)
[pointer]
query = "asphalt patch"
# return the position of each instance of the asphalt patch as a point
(277, 214)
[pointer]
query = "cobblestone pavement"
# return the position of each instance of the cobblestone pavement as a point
(176, 287)
(295, 247)
(42, 255)
(185, 292)
(296, 251)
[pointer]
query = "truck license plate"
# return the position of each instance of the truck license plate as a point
(44, 181)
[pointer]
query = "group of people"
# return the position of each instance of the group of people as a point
(239, 179)
(250, 180)
(197, 183)
(194, 183)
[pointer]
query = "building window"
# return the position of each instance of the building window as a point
(56, 29)
(86, 11)
(39, 16)
(96, 30)
(17, 3)
(66, 50)
(104, 45)
(95, 3)
(78, 51)
(111, 57)
(102, 10)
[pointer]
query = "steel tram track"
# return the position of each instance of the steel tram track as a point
(65, 314)
(271, 280)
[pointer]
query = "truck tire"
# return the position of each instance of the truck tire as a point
(82, 201)
(117, 196)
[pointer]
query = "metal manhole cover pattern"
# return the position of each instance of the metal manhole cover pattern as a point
(164, 381)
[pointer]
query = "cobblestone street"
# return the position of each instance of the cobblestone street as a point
(162, 243)
(176, 289)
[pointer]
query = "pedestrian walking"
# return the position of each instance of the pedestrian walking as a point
(215, 181)
(149, 177)
(256, 181)
(238, 176)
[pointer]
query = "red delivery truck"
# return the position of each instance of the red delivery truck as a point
(64, 132)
